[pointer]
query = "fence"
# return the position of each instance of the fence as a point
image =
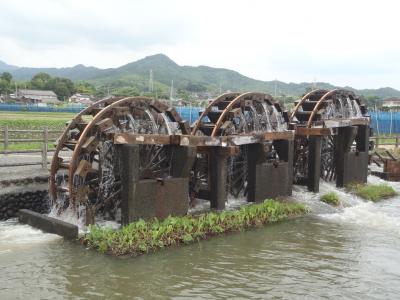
(39, 108)
(385, 122)
(44, 136)
(386, 141)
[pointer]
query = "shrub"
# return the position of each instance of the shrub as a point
(372, 192)
(142, 237)
(330, 198)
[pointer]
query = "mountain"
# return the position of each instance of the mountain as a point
(135, 76)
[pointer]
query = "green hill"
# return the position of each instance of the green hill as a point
(132, 78)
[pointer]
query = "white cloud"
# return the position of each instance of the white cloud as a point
(343, 42)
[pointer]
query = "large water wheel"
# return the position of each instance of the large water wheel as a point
(85, 169)
(322, 109)
(235, 114)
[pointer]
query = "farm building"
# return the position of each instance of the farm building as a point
(37, 97)
(391, 102)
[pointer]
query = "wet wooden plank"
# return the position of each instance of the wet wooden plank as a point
(146, 139)
(314, 131)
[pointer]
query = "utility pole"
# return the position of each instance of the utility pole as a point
(151, 85)
(171, 92)
(275, 88)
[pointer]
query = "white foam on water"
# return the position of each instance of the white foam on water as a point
(367, 215)
(13, 233)
(357, 211)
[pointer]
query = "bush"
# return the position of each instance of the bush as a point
(142, 237)
(372, 192)
(330, 198)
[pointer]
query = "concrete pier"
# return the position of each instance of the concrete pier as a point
(48, 224)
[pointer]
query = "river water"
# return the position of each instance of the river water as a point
(351, 252)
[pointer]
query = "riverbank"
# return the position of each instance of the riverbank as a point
(143, 237)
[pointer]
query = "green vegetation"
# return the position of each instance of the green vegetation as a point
(25, 146)
(143, 237)
(372, 192)
(34, 120)
(63, 87)
(330, 198)
(5, 83)
(133, 79)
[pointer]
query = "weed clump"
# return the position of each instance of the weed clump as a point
(372, 192)
(148, 236)
(330, 198)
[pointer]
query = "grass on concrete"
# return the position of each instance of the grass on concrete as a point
(372, 192)
(143, 237)
(330, 198)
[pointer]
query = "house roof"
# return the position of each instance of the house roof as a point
(37, 93)
(392, 99)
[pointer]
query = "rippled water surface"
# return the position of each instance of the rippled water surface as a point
(350, 252)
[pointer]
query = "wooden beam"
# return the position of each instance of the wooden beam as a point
(316, 131)
(360, 121)
(281, 135)
(145, 139)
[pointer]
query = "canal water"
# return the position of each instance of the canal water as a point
(351, 252)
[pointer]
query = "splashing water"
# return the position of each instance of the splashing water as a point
(353, 210)
(357, 109)
(350, 108)
(341, 110)
(266, 114)
(279, 121)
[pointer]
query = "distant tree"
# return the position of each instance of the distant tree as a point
(126, 91)
(5, 84)
(86, 88)
(6, 76)
(195, 87)
(63, 87)
(40, 81)
(5, 87)
(371, 101)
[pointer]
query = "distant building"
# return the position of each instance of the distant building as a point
(391, 102)
(37, 97)
(81, 99)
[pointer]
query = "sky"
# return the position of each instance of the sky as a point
(346, 43)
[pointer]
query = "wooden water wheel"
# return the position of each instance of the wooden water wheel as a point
(85, 167)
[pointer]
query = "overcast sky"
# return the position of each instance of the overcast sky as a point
(355, 43)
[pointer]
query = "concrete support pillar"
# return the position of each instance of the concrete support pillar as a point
(285, 149)
(343, 141)
(149, 198)
(182, 160)
(314, 163)
(129, 157)
(255, 155)
(362, 138)
(218, 178)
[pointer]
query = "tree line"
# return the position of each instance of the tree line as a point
(62, 87)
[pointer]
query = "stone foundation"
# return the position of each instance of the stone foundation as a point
(26, 193)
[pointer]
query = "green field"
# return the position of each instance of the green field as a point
(31, 121)
(34, 120)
